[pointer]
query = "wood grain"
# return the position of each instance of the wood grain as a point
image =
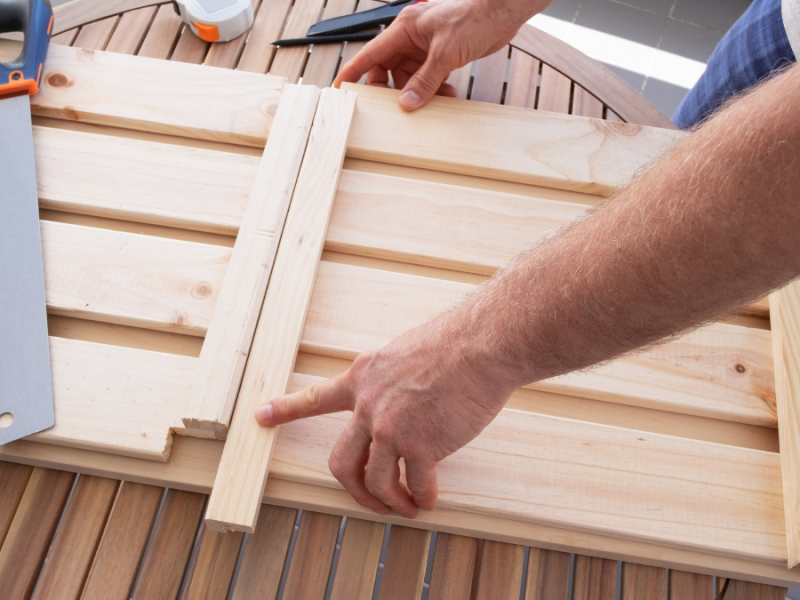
(523, 78)
(25, 548)
(171, 546)
(78, 12)
(189, 48)
(555, 91)
(131, 29)
(236, 499)
(259, 52)
(323, 61)
(743, 590)
(213, 569)
(226, 54)
(13, 480)
(640, 582)
(73, 548)
(313, 554)
(124, 541)
(453, 567)
(289, 62)
(507, 143)
(490, 73)
(222, 359)
(358, 560)
(689, 586)
(160, 39)
(404, 566)
(595, 578)
(265, 555)
(153, 95)
(500, 572)
(548, 575)
(586, 105)
(95, 36)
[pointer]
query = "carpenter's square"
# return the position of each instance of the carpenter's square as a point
(26, 388)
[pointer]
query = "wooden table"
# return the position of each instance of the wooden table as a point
(88, 527)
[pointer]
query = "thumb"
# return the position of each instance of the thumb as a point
(424, 83)
(331, 395)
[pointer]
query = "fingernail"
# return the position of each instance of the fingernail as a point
(264, 412)
(410, 99)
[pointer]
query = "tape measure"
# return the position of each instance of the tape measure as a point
(216, 20)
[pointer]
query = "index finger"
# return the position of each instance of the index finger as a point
(386, 50)
(331, 395)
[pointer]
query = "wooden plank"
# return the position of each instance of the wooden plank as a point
(785, 319)
(500, 575)
(355, 309)
(124, 541)
(595, 578)
(74, 546)
(323, 61)
(115, 399)
(162, 35)
(78, 12)
(13, 479)
(222, 359)
(213, 569)
(95, 36)
(290, 62)
(404, 565)
(743, 590)
(490, 72)
(226, 54)
(269, 21)
(461, 79)
(586, 105)
(482, 139)
(312, 557)
(353, 48)
(453, 567)
(171, 546)
(131, 30)
(193, 465)
(690, 586)
(523, 78)
(640, 582)
(265, 555)
(190, 49)
(548, 575)
(235, 500)
(142, 181)
(555, 91)
(153, 95)
(138, 280)
(28, 538)
(358, 560)
(612, 116)
(66, 38)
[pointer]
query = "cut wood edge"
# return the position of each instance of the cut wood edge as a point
(230, 334)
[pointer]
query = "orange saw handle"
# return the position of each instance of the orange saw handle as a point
(34, 18)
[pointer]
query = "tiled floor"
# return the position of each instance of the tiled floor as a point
(660, 47)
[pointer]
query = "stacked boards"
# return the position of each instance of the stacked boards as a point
(669, 457)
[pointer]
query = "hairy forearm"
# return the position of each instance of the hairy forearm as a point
(713, 225)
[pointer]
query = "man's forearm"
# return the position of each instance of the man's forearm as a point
(713, 225)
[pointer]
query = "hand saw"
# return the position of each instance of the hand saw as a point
(26, 388)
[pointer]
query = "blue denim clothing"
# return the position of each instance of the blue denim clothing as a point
(755, 47)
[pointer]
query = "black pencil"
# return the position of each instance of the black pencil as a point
(328, 39)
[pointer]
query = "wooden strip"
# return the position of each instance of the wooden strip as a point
(785, 319)
(226, 54)
(235, 500)
(115, 399)
(353, 48)
(586, 105)
(66, 38)
(73, 548)
(142, 181)
(490, 72)
(269, 21)
(153, 95)
(354, 309)
(162, 35)
(171, 546)
(290, 62)
(500, 575)
(640, 582)
(312, 557)
(744, 590)
(555, 91)
(612, 116)
(193, 465)
(568, 152)
(453, 567)
(595, 578)
(125, 539)
(13, 479)
(35, 522)
(79, 12)
(460, 79)
(404, 565)
(131, 30)
(222, 360)
(548, 575)
(265, 555)
(132, 279)
(690, 586)
(523, 80)
(190, 49)
(212, 572)
(358, 560)
(95, 36)
(324, 58)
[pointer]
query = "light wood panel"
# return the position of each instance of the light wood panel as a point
(153, 95)
(555, 91)
(289, 61)
(640, 582)
(76, 13)
(312, 557)
(130, 31)
(785, 319)
(500, 571)
(404, 565)
(453, 567)
(684, 585)
(358, 560)
(586, 105)
(594, 579)
(236, 499)
(267, 26)
(323, 61)
(214, 566)
(222, 360)
(523, 79)
(548, 575)
(355, 309)
(160, 39)
(490, 72)
(189, 49)
(507, 143)
(95, 36)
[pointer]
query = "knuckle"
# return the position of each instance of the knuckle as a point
(311, 397)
